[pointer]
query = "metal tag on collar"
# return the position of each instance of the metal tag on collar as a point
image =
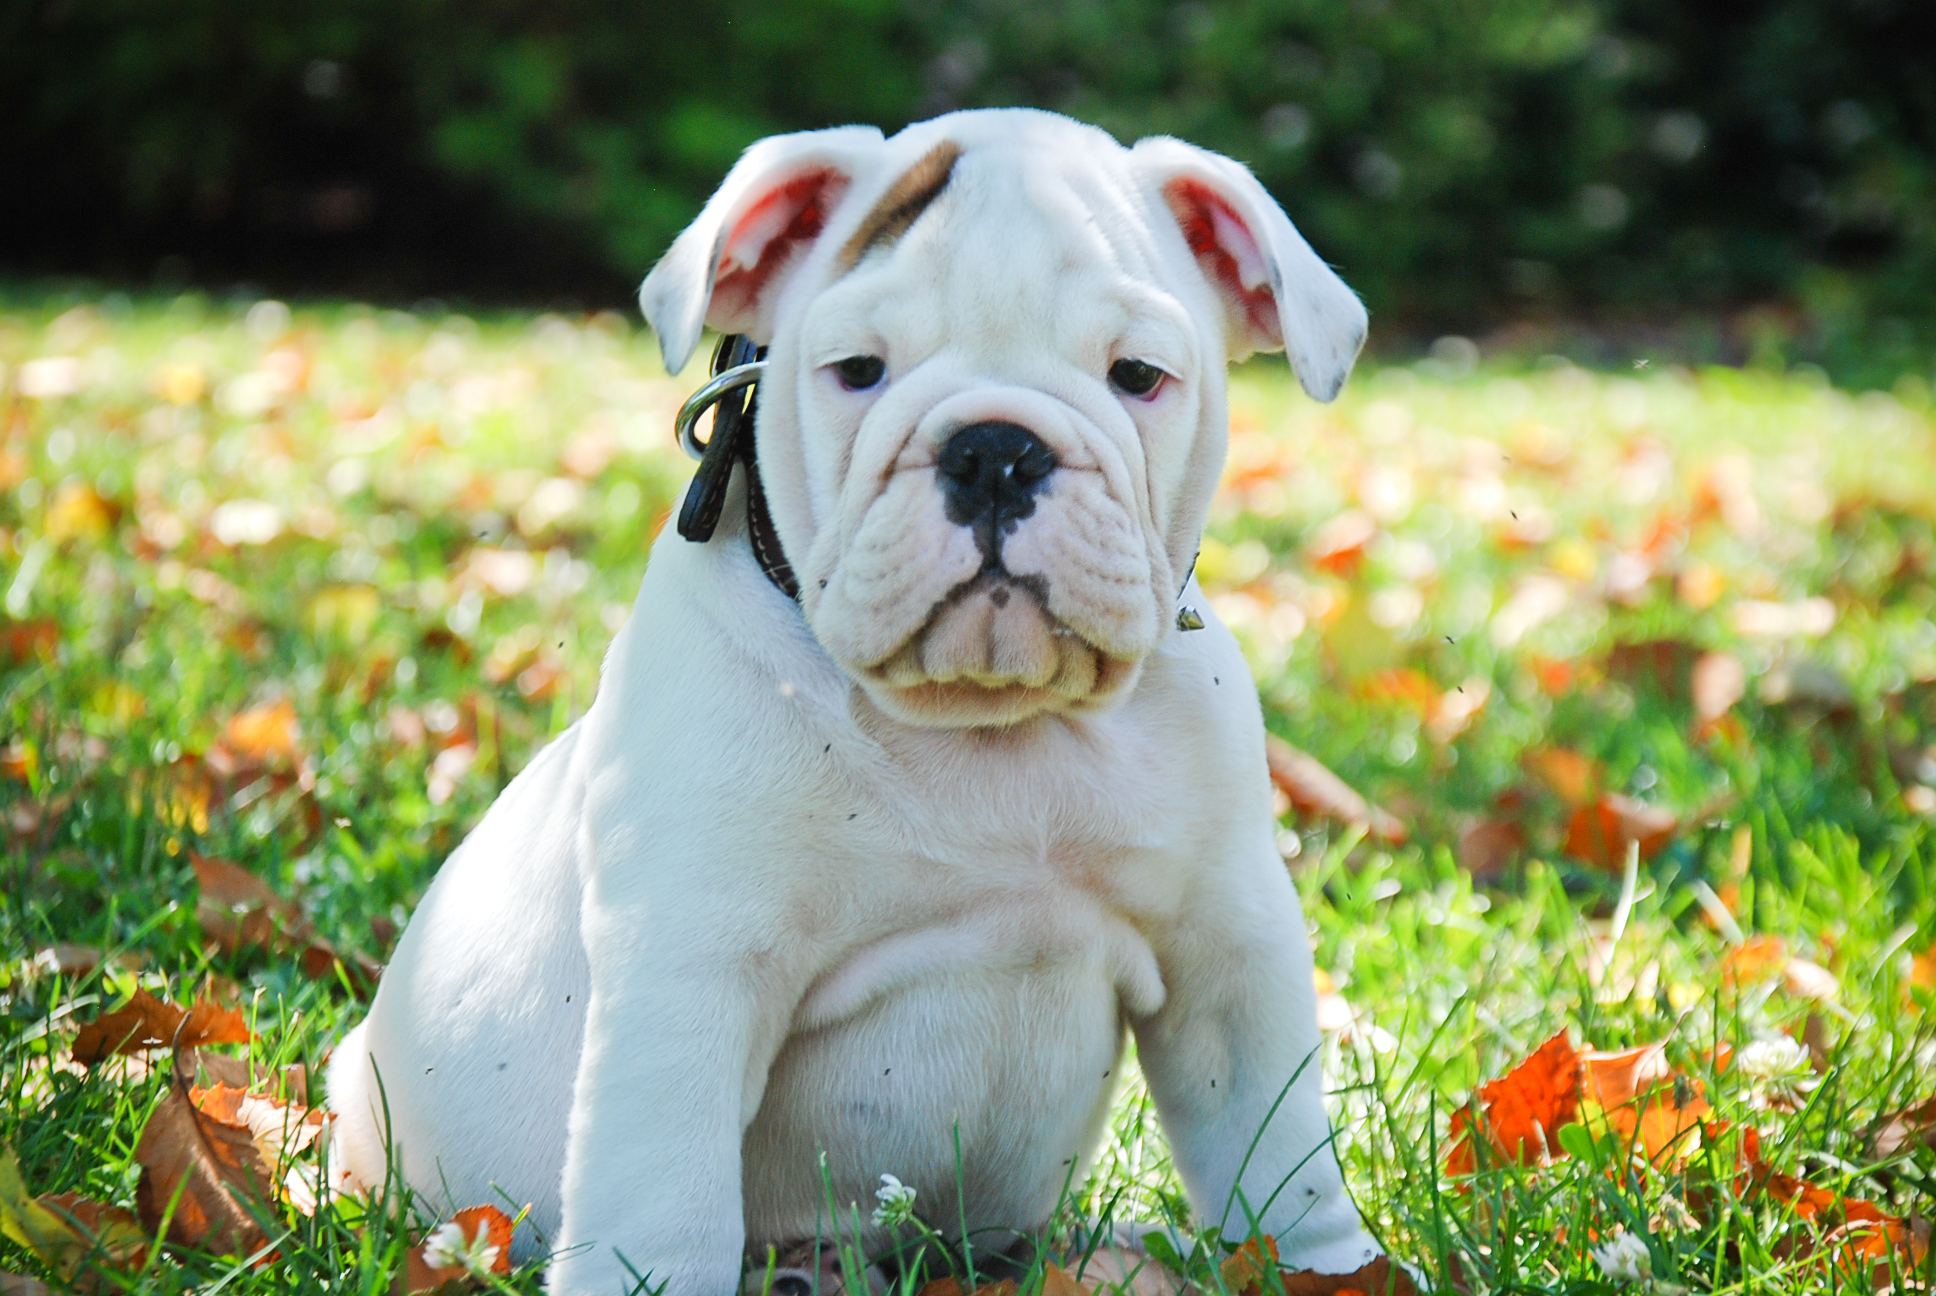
(1187, 617)
(732, 395)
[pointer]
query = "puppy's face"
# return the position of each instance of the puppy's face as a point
(992, 416)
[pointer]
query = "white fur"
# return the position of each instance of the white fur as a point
(906, 868)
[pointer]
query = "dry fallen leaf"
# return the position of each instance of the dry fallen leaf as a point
(266, 735)
(280, 1130)
(1521, 1113)
(1847, 1232)
(482, 1234)
(1922, 970)
(1666, 665)
(1754, 961)
(1315, 790)
(291, 1083)
(67, 960)
(1573, 778)
(23, 641)
(205, 1177)
(1806, 980)
(1057, 1281)
(1718, 681)
(1601, 833)
(64, 1230)
(1246, 1269)
(146, 1023)
(238, 910)
(1644, 1100)
(213, 1159)
(1338, 545)
(1899, 1132)
(1379, 1278)
(1487, 847)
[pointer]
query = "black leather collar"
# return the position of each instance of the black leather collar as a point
(730, 445)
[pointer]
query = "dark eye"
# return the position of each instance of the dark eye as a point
(1135, 378)
(858, 373)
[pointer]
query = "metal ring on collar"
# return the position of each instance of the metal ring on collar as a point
(706, 397)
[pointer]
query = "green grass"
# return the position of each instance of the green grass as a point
(375, 455)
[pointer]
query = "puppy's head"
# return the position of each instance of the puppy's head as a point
(993, 415)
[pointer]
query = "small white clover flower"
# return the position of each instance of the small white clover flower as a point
(448, 1245)
(896, 1203)
(1624, 1257)
(1769, 1059)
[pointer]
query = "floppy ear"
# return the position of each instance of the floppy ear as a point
(728, 264)
(1277, 293)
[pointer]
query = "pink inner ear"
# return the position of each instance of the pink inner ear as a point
(766, 234)
(1229, 254)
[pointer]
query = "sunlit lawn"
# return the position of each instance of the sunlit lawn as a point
(1533, 612)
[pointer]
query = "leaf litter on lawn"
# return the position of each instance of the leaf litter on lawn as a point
(309, 589)
(221, 1163)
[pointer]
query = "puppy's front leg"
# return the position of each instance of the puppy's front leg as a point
(1239, 1022)
(677, 1044)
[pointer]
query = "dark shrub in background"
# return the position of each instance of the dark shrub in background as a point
(1465, 162)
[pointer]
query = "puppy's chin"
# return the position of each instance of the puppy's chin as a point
(991, 654)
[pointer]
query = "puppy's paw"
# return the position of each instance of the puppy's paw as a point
(809, 1268)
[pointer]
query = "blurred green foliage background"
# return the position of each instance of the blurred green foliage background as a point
(1714, 179)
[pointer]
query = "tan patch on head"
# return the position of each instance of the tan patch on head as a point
(902, 204)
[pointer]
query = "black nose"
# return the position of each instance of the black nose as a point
(990, 473)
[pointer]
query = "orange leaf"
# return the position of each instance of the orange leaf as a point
(291, 1083)
(207, 1171)
(1554, 676)
(1645, 1100)
(1573, 778)
(1754, 960)
(1488, 846)
(1338, 545)
(1315, 790)
(1601, 833)
(1521, 1113)
(1922, 969)
(22, 641)
(949, 1286)
(1057, 1281)
(496, 1225)
(78, 512)
(1379, 1278)
(146, 1022)
(1404, 686)
(479, 1224)
(1245, 1270)
(264, 735)
(236, 909)
(280, 1130)
(421, 1278)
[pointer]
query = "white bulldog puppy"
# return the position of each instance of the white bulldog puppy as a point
(895, 868)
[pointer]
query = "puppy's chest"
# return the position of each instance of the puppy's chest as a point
(1043, 868)
(997, 915)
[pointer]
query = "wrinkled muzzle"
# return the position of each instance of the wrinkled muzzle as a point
(997, 562)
